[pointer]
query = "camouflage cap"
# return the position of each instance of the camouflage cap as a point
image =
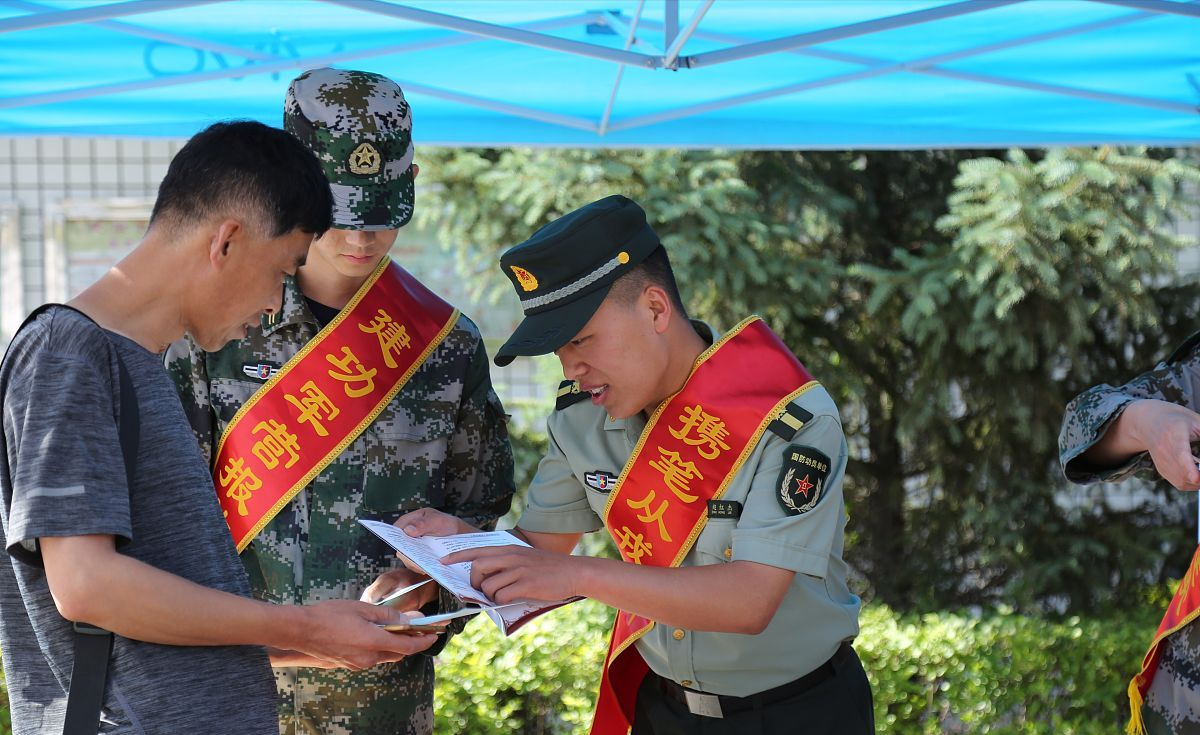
(360, 127)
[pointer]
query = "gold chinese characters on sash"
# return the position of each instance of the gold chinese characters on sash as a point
(691, 449)
(325, 396)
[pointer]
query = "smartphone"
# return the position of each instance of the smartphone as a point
(410, 628)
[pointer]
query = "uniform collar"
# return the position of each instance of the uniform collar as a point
(294, 310)
(706, 331)
(611, 424)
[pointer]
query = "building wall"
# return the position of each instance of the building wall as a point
(101, 190)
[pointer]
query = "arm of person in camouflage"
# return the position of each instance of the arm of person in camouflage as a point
(185, 364)
(1108, 433)
(479, 466)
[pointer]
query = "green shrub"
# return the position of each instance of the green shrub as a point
(542, 680)
(934, 674)
(952, 673)
(1001, 673)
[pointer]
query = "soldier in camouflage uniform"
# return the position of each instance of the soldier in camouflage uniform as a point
(441, 441)
(1147, 424)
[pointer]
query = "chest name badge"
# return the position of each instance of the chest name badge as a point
(600, 480)
(724, 509)
(260, 370)
(801, 483)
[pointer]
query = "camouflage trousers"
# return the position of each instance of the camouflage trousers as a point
(1172, 705)
(392, 699)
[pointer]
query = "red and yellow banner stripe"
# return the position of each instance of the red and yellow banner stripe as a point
(1184, 608)
(325, 396)
(691, 449)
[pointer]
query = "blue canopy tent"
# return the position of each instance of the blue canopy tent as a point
(697, 73)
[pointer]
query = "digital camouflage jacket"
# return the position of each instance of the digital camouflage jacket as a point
(441, 442)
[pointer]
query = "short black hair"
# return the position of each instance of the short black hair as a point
(656, 270)
(246, 167)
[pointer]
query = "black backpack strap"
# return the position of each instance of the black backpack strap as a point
(85, 698)
(93, 646)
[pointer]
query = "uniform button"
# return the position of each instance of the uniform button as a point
(729, 553)
(686, 682)
(678, 634)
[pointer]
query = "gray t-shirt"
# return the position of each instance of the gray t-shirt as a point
(63, 475)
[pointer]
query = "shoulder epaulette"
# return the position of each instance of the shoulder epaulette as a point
(1184, 349)
(568, 395)
(789, 421)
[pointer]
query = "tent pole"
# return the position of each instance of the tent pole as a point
(98, 12)
(612, 98)
(142, 32)
(852, 30)
(1156, 6)
(670, 22)
(499, 32)
(674, 48)
(274, 65)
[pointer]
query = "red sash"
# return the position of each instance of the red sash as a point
(691, 449)
(325, 396)
(1184, 608)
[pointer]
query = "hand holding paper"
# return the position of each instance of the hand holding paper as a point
(509, 573)
(426, 553)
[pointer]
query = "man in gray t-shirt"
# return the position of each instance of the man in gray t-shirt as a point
(65, 459)
(151, 559)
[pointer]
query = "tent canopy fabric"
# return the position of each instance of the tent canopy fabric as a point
(619, 73)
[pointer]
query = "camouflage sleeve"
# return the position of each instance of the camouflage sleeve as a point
(1092, 412)
(479, 466)
(185, 363)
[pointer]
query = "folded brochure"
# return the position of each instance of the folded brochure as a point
(426, 552)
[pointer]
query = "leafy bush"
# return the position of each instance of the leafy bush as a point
(540, 681)
(952, 673)
(933, 674)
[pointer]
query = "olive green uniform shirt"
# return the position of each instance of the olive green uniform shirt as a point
(440, 442)
(818, 611)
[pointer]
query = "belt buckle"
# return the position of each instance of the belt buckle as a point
(706, 705)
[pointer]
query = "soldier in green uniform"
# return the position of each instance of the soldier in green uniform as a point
(440, 442)
(1148, 424)
(753, 628)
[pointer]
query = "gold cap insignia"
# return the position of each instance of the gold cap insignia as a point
(365, 160)
(525, 278)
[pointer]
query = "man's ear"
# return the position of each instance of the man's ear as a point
(223, 240)
(658, 303)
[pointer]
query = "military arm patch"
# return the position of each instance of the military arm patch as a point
(569, 394)
(801, 483)
(789, 421)
(600, 480)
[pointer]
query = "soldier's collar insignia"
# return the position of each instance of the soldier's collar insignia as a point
(801, 483)
(365, 160)
(569, 394)
(260, 370)
(527, 280)
(600, 480)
